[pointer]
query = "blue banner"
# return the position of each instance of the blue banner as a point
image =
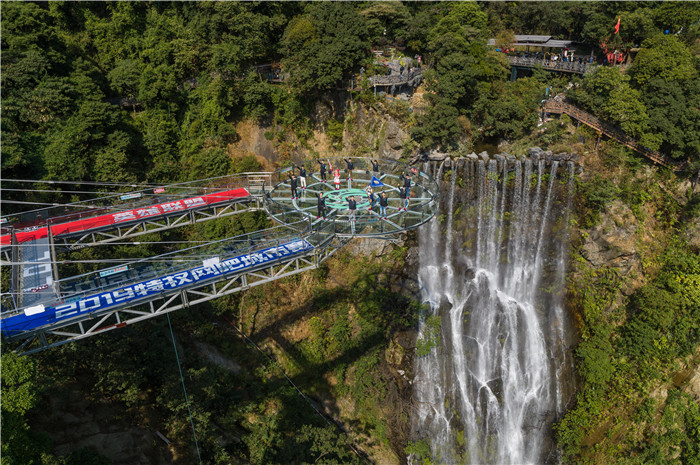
(124, 296)
(375, 182)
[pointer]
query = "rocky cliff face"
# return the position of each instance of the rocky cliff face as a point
(367, 132)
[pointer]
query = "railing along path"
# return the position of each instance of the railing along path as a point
(553, 106)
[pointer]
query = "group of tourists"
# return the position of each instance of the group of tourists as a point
(380, 199)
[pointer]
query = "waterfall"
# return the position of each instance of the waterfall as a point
(492, 269)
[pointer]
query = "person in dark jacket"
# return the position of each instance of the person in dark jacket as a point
(375, 166)
(407, 184)
(349, 168)
(302, 176)
(323, 170)
(352, 206)
(293, 185)
(403, 195)
(383, 203)
(321, 206)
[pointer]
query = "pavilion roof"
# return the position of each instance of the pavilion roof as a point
(536, 41)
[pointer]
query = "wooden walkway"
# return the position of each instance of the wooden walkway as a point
(552, 106)
(552, 65)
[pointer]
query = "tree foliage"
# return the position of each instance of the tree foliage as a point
(664, 57)
(323, 45)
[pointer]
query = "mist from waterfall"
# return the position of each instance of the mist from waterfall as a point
(492, 269)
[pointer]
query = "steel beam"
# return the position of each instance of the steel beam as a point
(90, 325)
(148, 226)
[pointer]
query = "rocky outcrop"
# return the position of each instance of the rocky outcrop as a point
(692, 233)
(613, 241)
(253, 141)
(394, 137)
(366, 246)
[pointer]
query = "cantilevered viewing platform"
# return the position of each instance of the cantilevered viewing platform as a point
(60, 309)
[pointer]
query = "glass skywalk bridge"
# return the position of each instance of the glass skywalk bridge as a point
(89, 304)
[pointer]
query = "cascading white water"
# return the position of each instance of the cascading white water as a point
(493, 273)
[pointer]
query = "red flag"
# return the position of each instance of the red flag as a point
(617, 26)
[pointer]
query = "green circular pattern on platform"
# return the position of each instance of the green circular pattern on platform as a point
(339, 199)
(301, 207)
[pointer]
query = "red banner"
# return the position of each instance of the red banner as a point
(129, 216)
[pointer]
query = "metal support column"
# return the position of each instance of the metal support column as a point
(54, 265)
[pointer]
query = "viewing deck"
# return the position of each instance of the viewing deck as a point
(58, 310)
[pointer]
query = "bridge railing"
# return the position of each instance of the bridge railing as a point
(84, 285)
(396, 79)
(422, 204)
(255, 181)
(553, 106)
(552, 65)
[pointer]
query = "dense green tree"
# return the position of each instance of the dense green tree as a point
(463, 68)
(677, 17)
(124, 78)
(674, 114)
(386, 21)
(665, 57)
(159, 133)
(608, 93)
(325, 44)
(509, 110)
(636, 26)
(424, 15)
(20, 394)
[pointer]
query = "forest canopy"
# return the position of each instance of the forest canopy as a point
(136, 91)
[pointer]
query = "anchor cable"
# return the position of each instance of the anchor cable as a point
(182, 380)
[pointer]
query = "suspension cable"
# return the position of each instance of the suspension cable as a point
(328, 421)
(182, 380)
(87, 183)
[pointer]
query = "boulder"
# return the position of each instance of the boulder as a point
(484, 155)
(366, 246)
(693, 385)
(435, 155)
(473, 156)
(532, 151)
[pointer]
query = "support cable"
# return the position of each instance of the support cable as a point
(330, 422)
(182, 379)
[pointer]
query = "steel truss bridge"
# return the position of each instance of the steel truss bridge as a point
(43, 310)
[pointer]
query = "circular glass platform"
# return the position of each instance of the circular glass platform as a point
(387, 178)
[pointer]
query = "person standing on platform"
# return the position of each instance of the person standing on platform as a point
(403, 195)
(352, 206)
(375, 166)
(302, 176)
(336, 176)
(383, 203)
(293, 185)
(407, 184)
(323, 170)
(370, 196)
(349, 168)
(321, 206)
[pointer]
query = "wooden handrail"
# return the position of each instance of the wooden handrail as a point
(553, 106)
(552, 65)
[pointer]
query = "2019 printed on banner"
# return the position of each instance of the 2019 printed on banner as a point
(124, 295)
